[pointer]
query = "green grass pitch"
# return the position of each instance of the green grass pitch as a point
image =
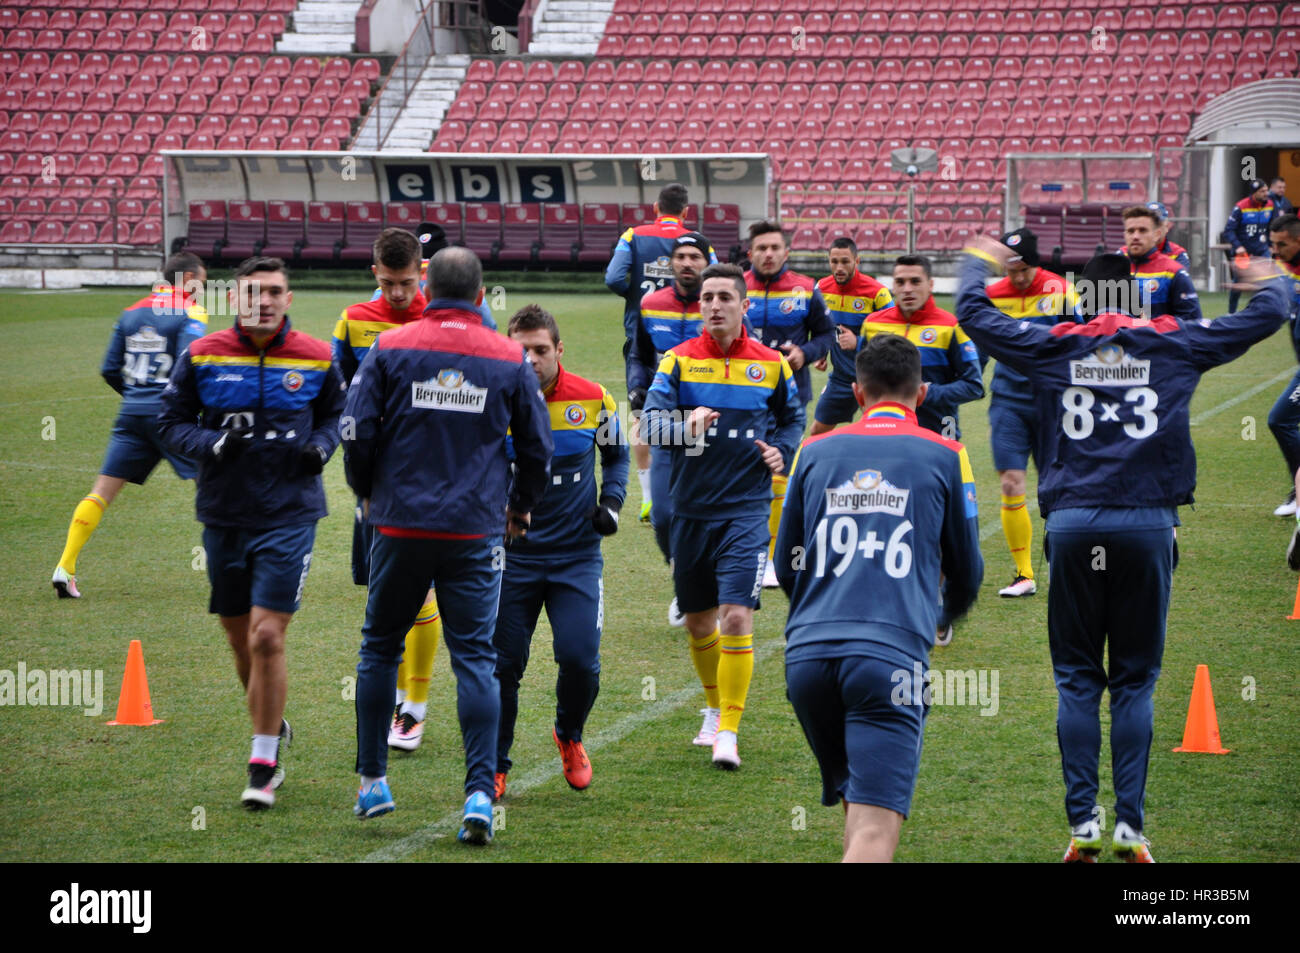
(990, 785)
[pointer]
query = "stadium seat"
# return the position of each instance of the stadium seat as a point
(600, 230)
(483, 229)
(245, 229)
(206, 231)
(561, 239)
(324, 230)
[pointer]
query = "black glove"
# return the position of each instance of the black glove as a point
(230, 445)
(312, 460)
(636, 398)
(604, 518)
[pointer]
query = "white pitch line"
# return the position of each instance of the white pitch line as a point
(551, 769)
(46, 466)
(1244, 395)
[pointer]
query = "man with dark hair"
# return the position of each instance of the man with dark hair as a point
(788, 314)
(1164, 286)
(396, 267)
(1029, 292)
(1277, 193)
(1171, 249)
(883, 507)
(1284, 418)
(424, 434)
(669, 317)
(640, 265)
(850, 297)
(558, 564)
(1247, 229)
(725, 407)
(147, 339)
(1115, 463)
(257, 405)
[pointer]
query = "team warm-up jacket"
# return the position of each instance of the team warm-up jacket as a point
(282, 399)
(1048, 300)
(1291, 270)
(584, 420)
(642, 263)
(667, 320)
(147, 339)
(849, 304)
(1164, 287)
(874, 513)
(1248, 226)
(722, 474)
(949, 362)
(360, 324)
(1113, 394)
(788, 309)
(1170, 250)
(426, 417)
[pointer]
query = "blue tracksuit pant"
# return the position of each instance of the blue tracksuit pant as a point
(1284, 421)
(570, 588)
(661, 513)
(467, 575)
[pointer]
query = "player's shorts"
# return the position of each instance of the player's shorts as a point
(837, 405)
(257, 567)
(1014, 429)
(868, 746)
(718, 562)
(134, 449)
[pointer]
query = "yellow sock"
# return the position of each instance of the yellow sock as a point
(774, 518)
(735, 670)
(421, 649)
(705, 653)
(1019, 530)
(84, 520)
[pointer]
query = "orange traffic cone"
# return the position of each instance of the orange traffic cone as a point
(133, 706)
(1201, 733)
(1295, 612)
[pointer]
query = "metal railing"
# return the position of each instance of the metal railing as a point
(465, 19)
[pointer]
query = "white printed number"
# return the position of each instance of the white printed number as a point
(844, 540)
(139, 368)
(1078, 420)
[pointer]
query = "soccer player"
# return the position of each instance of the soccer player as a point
(424, 435)
(396, 267)
(787, 313)
(727, 410)
(433, 240)
(1284, 418)
(1248, 228)
(882, 507)
(1029, 292)
(147, 339)
(1277, 193)
(558, 564)
(640, 265)
(1116, 462)
(1170, 249)
(950, 364)
(669, 317)
(850, 298)
(257, 405)
(1164, 286)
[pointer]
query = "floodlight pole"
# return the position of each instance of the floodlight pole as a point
(911, 216)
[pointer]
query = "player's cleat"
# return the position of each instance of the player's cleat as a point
(709, 730)
(374, 801)
(943, 636)
(1085, 843)
(476, 825)
(676, 618)
(406, 733)
(1293, 550)
(769, 576)
(65, 585)
(260, 793)
(1020, 586)
(1287, 506)
(645, 512)
(281, 749)
(498, 786)
(725, 755)
(1130, 846)
(573, 756)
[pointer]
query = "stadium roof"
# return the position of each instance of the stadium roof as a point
(1270, 104)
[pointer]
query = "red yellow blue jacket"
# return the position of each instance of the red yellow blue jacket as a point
(849, 304)
(360, 324)
(722, 475)
(1164, 287)
(641, 264)
(1048, 300)
(789, 309)
(1248, 226)
(286, 397)
(147, 339)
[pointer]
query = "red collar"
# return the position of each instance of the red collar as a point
(711, 343)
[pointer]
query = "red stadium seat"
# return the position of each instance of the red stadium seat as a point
(206, 231)
(483, 229)
(245, 229)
